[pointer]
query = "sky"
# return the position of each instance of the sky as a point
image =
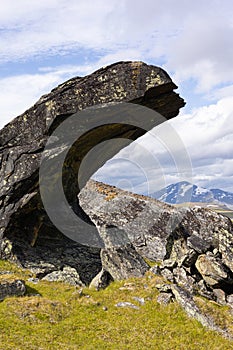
(43, 43)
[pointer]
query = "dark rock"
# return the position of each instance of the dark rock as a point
(123, 262)
(203, 290)
(101, 280)
(10, 288)
(198, 244)
(27, 235)
(57, 253)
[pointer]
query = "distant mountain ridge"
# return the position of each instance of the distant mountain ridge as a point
(184, 191)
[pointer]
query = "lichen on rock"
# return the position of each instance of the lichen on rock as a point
(27, 235)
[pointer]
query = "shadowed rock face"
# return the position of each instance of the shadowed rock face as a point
(26, 234)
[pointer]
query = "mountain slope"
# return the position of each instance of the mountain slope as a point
(183, 192)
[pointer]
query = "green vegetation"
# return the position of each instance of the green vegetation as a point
(65, 317)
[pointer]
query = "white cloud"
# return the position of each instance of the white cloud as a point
(192, 39)
(162, 156)
(19, 92)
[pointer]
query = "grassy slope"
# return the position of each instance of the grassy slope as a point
(62, 318)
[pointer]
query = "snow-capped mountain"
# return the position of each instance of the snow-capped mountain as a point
(183, 192)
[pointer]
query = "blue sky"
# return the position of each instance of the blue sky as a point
(43, 43)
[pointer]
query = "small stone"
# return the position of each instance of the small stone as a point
(33, 280)
(128, 286)
(164, 298)
(101, 281)
(105, 308)
(167, 274)
(168, 263)
(127, 304)
(6, 273)
(229, 300)
(189, 259)
(140, 300)
(215, 251)
(166, 288)
(220, 295)
(155, 270)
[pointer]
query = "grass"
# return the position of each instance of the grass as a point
(65, 317)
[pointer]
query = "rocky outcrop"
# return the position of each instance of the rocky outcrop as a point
(192, 246)
(9, 288)
(27, 235)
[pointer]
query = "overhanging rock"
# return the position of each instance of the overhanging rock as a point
(26, 233)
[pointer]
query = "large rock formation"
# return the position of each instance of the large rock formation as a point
(26, 233)
(193, 247)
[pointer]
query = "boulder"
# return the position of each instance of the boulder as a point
(158, 231)
(123, 262)
(101, 280)
(67, 275)
(213, 271)
(27, 235)
(9, 288)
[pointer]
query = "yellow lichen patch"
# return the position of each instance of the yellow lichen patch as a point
(50, 105)
(78, 91)
(109, 191)
(110, 196)
(136, 68)
(154, 80)
(136, 65)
